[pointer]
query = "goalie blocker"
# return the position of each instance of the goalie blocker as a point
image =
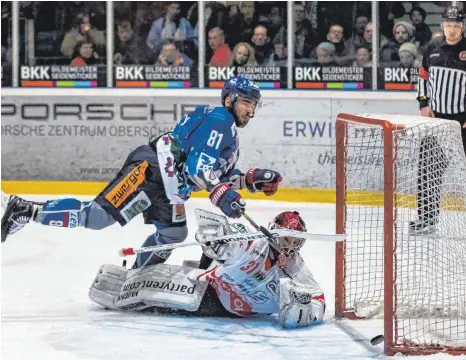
(243, 279)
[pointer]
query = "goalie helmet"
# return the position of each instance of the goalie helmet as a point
(289, 220)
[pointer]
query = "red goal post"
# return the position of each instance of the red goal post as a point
(389, 170)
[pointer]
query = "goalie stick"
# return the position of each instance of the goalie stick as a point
(235, 237)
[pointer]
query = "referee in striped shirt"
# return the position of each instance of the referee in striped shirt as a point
(441, 94)
(442, 78)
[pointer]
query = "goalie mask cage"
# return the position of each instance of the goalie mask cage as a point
(390, 169)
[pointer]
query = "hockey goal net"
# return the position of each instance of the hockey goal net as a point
(391, 170)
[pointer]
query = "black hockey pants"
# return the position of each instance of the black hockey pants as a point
(432, 166)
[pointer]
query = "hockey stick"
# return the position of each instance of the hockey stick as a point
(235, 237)
(220, 240)
(262, 229)
(304, 235)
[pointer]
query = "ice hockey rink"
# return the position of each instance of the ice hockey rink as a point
(46, 313)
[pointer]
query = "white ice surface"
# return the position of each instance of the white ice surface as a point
(46, 312)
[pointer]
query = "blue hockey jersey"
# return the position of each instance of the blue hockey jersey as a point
(204, 145)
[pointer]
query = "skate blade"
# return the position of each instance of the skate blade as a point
(431, 229)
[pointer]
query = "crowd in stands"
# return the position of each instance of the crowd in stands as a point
(69, 32)
(6, 43)
(238, 33)
(325, 33)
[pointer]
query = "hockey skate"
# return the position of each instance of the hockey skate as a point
(423, 226)
(17, 214)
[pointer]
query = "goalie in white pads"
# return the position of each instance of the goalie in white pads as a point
(244, 279)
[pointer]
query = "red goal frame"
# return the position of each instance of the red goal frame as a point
(389, 168)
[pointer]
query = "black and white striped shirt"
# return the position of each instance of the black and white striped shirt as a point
(442, 77)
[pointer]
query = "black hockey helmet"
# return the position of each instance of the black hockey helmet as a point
(453, 13)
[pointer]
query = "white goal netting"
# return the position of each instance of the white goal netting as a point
(425, 176)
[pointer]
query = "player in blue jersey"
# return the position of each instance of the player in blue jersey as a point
(156, 179)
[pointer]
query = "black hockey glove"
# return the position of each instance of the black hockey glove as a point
(228, 200)
(263, 180)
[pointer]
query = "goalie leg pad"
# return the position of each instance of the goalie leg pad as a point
(299, 307)
(107, 285)
(161, 285)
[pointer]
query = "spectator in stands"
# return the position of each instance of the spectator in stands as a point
(242, 55)
(422, 33)
(304, 39)
(403, 32)
(368, 37)
(409, 56)
(263, 49)
(241, 27)
(172, 26)
(342, 54)
(363, 57)
(221, 51)
(129, 49)
(170, 55)
(323, 14)
(389, 12)
(82, 30)
(275, 26)
(326, 54)
(67, 10)
(357, 39)
(146, 13)
(7, 62)
(193, 14)
(281, 55)
(83, 53)
(215, 16)
(232, 11)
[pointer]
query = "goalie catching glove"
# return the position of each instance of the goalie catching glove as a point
(298, 306)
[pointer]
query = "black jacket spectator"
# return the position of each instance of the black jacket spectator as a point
(264, 54)
(388, 12)
(357, 39)
(305, 40)
(129, 50)
(263, 48)
(422, 34)
(323, 14)
(275, 25)
(241, 27)
(343, 55)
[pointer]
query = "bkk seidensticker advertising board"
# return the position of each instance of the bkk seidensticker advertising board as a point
(88, 138)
